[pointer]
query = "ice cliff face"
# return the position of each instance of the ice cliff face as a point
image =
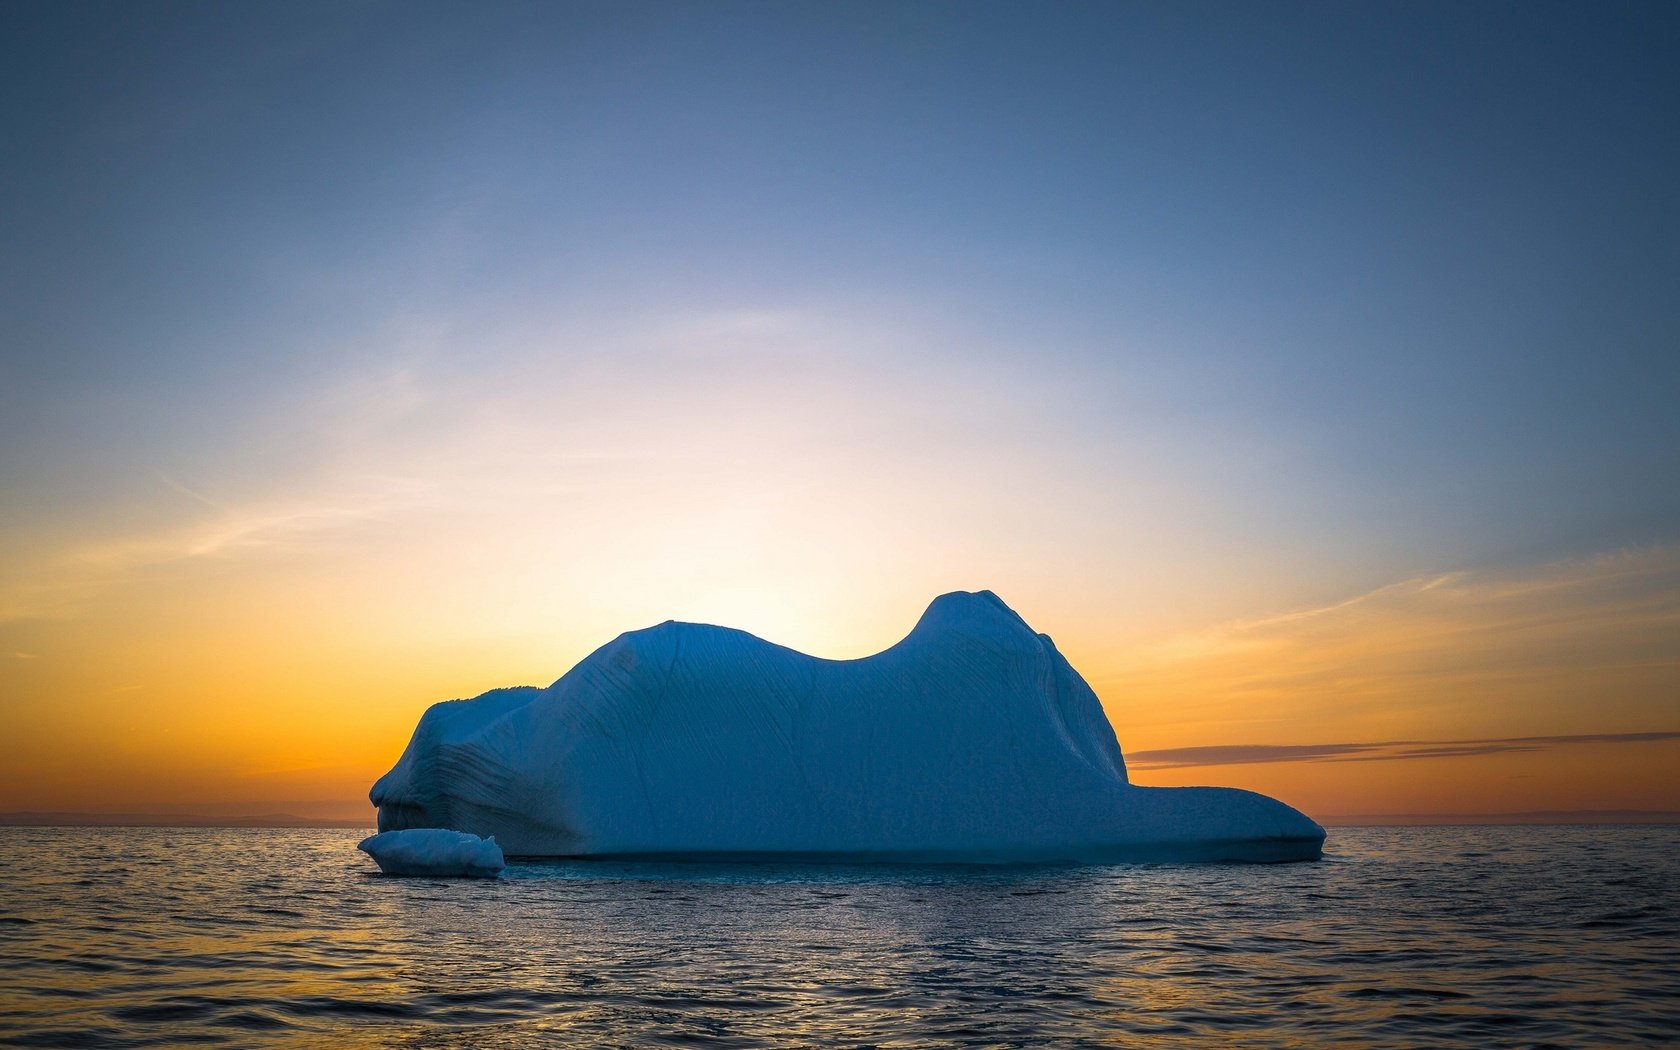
(972, 739)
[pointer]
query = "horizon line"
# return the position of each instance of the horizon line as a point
(110, 818)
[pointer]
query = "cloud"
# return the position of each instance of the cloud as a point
(1376, 751)
(190, 493)
(61, 582)
(289, 475)
(1486, 657)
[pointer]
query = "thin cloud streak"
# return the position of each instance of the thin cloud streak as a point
(1375, 751)
(189, 492)
(1416, 586)
(1450, 651)
(62, 583)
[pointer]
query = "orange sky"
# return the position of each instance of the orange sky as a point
(286, 676)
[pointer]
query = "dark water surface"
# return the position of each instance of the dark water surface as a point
(1527, 936)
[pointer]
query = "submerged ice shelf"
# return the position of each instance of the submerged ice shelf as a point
(970, 740)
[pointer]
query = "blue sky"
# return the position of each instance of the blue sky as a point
(1430, 247)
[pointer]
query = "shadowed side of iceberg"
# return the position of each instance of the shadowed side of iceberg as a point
(1148, 825)
(1205, 824)
(972, 739)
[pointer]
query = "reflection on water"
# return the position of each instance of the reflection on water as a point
(146, 936)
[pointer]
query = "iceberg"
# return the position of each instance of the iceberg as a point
(971, 740)
(434, 851)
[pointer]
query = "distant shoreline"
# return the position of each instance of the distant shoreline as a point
(1539, 816)
(66, 819)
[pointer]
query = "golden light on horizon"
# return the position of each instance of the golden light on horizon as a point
(243, 678)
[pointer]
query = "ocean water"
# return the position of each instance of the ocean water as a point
(1401, 937)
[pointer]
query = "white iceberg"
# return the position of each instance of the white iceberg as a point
(970, 740)
(434, 851)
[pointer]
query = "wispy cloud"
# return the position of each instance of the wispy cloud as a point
(190, 493)
(1574, 645)
(303, 474)
(1375, 751)
(60, 583)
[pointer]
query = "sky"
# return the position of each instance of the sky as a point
(1308, 371)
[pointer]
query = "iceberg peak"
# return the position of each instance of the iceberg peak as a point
(970, 739)
(979, 612)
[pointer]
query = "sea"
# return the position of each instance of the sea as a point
(1562, 936)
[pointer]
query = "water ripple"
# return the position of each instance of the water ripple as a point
(1402, 937)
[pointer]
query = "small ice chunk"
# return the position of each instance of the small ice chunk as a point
(434, 851)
